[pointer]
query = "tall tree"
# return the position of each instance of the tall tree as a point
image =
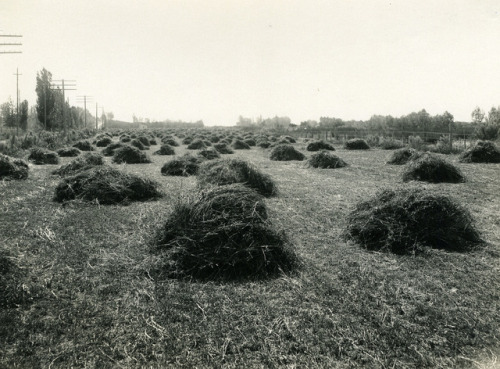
(23, 115)
(477, 115)
(8, 114)
(45, 99)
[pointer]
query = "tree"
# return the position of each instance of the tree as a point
(23, 115)
(8, 114)
(477, 115)
(45, 99)
(494, 116)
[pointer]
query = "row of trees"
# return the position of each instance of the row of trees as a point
(12, 118)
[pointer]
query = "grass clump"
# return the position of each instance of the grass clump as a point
(42, 156)
(286, 152)
(184, 166)
(209, 154)
(165, 149)
(433, 169)
(326, 160)
(106, 185)
(403, 156)
(356, 144)
(223, 234)
(481, 152)
(407, 220)
(111, 148)
(319, 145)
(84, 162)
(12, 168)
(84, 145)
(240, 145)
(130, 155)
(68, 152)
(229, 171)
(223, 148)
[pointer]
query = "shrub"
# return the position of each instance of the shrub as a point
(186, 165)
(43, 156)
(391, 144)
(326, 160)
(196, 145)
(106, 185)
(403, 156)
(84, 162)
(11, 168)
(240, 145)
(431, 168)
(319, 145)
(405, 220)
(229, 171)
(222, 148)
(443, 146)
(165, 149)
(209, 154)
(481, 152)
(130, 155)
(356, 144)
(84, 145)
(223, 234)
(68, 152)
(111, 148)
(487, 131)
(416, 142)
(103, 142)
(286, 152)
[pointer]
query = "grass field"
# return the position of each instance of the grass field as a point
(91, 299)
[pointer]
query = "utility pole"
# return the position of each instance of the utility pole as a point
(11, 44)
(69, 86)
(17, 98)
(84, 99)
(96, 117)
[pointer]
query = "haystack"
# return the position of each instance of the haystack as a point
(209, 154)
(84, 162)
(106, 185)
(12, 168)
(431, 168)
(481, 152)
(356, 144)
(319, 145)
(170, 141)
(223, 148)
(240, 145)
(42, 156)
(165, 149)
(229, 171)
(403, 156)
(286, 152)
(197, 145)
(84, 145)
(144, 140)
(186, 165)
(223, 234)
(125, 138)
(136, 143)
(68, 152)
(103, 142)
(130, 155)
(111, 148)
(326, 160)
(407, 220)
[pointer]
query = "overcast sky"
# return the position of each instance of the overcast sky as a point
(218, 59)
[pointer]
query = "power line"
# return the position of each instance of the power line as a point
(11, 44)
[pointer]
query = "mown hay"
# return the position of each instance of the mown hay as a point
(84, 162)
(184, 166)
(125, 139)
(197, 145)
(209, 154)
(240, 145)
(144, 140)
(68, 152)
(103, 142)
(12, 168)
(170, 141)
(106, 185)
(223, 234)
(136, 143)
(403, 156)
(130, 155)
(84, 145)
(12, 293)
(319, 145)
(250, 142)
(223, 148)
(229, 171)
(356, 144)
(326, 160)
(481, 152)
(165, 149)
(111, 148)
(407, 220)
(286, 152)
(433, 169)
(42, 156)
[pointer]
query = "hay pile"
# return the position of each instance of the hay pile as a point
(103, 142)
(229, 171)
(407, 220)
(184, 166)
(222, 148)
(209, 154)
(319, 145)
(12, 168)
(144, 140)
(240, 145)
(169, 141)
(481, 152)
(250, 142)
(223, 234)
(286, 152)
(125, 138)
(130, 155)
(356, 144)
(84, 145)
(42, 156)
(403, 156)
(68, 152)
(106, 185)
(433, 169)
(165, 149)
(197, 144)
(136, 143)
(111, 148)
(12, 293)
(326, 160)
(84, 162)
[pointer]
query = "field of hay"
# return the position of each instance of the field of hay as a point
(90, 298)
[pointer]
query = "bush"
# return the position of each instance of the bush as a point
(326, 160)
(106, 185)
(165, 149)
(431, 168)
(111, 148)
(68, 152)
(443, 146)
(84, 162)
(487, 131)
(103, 142)
(223, 234)
(356, 144)
(130, 155)
(286, 152)
(229, 171)
(43, 156)
(240, 145)
(481, 152)
(11, 168)
(196, 145)
(222, 148)
(403, 156)
(84, 145)
(391, 144)
(416, 142)
(209, 154)
(186, 165)
(319, 145)
(406, 220)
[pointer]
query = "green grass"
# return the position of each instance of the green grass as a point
(93, 301)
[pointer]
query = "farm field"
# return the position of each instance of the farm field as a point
(93, 299)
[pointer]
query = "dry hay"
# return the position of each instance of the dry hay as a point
(152, 141)
(250, 141)
(326, 160)
(130, 155)
(165, 149)
(223, 234)
(111, 148)
(431, 168)
(289, 139)
(197, 145)
(144, 140)
(264, 144)
(84, 145)
(286, 152)
(391, 144)
(229, 171)
(209, 154)
(408, 220)
(184, 166)
(125, 139)
(319, 145)
(403, 156)
(103, 142)
(223, 148)
(481, 152)
(12, 293)
(84, 162)
(106, 185)
(356, 144)
(138, 144)
(240, 145)
(170, 141)
(187, 140)
(12, 168)
(42, 156)
(68, 152)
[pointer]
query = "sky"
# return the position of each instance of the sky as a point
(215, 60)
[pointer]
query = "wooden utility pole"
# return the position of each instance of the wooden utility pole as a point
(69, 86)
(17, 98)
(84, 99)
